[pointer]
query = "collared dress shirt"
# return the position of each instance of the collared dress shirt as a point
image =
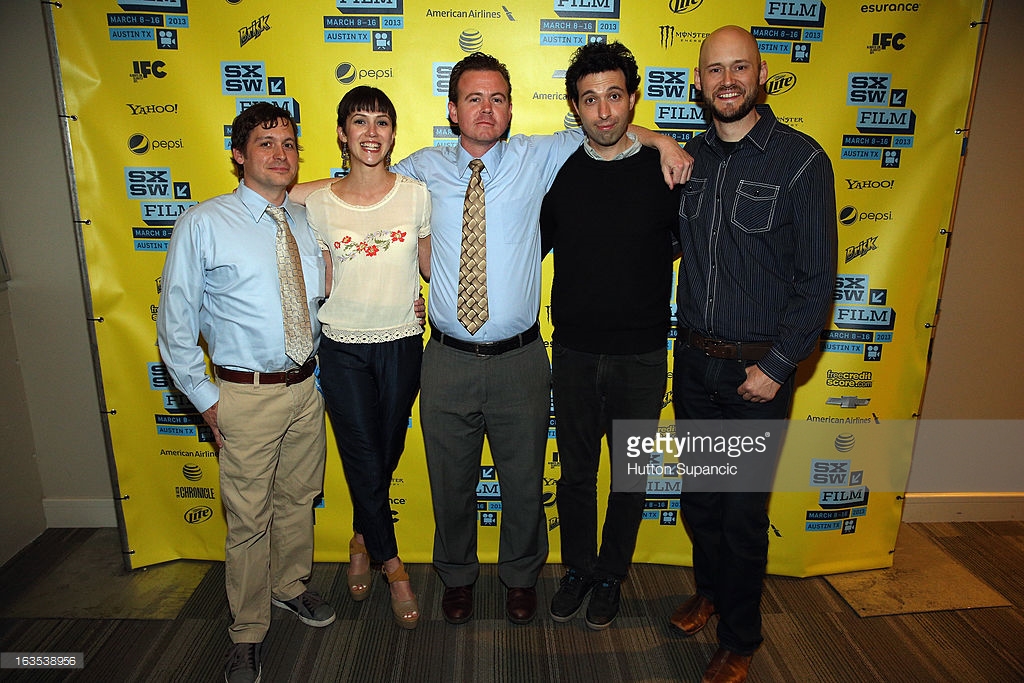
(220, 281)
(758, 234)
(516, 176)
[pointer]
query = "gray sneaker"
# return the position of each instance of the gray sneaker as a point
(309, 607)
(243, 665)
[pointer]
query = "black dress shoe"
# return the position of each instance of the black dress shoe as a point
(521, 605)
(457, 604)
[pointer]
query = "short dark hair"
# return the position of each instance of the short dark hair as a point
(595, 58)
(366, 98)
(262, 114)
(478, 61)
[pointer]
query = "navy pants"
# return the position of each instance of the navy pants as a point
(369, 390)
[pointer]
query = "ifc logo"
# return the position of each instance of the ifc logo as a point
(844, 443)
(848, 215)
(345, 73)
(192, 472)
(471, 41)
(138, 144)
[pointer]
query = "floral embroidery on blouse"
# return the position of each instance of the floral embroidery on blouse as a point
(370, 246)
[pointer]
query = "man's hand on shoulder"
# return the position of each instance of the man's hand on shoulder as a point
(676, 162)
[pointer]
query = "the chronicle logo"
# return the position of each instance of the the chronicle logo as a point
(780, 83)
(683, 6)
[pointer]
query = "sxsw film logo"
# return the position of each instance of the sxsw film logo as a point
(666, 84)
(442, 74)
(148, 182)
(829, 472)
(144, 69)
(243, 78)
(806, 14)
(382, 41)
(884, 41)
(167, 39)
(591, 9)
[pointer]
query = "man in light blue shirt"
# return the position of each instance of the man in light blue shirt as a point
(220, 282)
(495, 381)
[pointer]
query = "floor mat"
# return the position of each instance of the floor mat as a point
(923, 578)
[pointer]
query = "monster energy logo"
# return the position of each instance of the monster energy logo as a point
(668, 36)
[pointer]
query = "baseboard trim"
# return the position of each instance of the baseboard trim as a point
(79, 513)
(963, 507)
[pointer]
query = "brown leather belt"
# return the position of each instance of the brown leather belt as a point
(289, 377)
(487, 348)
(726, 350)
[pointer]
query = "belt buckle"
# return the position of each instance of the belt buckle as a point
(716, 348)
(292, 376)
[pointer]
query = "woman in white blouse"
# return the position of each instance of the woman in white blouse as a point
(376, 226)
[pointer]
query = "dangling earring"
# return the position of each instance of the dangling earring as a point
(344, 155)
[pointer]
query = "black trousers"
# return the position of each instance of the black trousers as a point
(590, 391)
(729, 530)
(369, 390)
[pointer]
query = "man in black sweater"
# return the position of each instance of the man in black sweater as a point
(610, 220)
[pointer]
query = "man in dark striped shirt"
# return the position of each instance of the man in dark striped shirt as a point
(758, 233)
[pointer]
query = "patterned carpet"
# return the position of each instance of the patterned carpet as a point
(811, 633)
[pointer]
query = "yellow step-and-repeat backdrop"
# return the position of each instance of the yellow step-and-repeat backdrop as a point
(152, 86)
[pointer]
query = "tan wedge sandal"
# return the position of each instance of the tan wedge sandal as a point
(406, 612)
(358, 584)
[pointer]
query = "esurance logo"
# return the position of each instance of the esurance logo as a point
(243, 78)
(593, 9)
(809, 14)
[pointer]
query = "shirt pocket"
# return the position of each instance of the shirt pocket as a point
(754, 208)
(693, 196)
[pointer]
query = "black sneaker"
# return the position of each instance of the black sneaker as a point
(309, 607)
(604, 604)
(572, 591)
(244, 664)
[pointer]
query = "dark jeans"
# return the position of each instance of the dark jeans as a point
(591, 390)
(729, 530)
(369, 390)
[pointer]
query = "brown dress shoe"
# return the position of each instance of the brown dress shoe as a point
(691, 616)
(457, 604)
(727, 667)
(521, 605)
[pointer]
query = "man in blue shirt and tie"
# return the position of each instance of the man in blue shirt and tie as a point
(221, 281)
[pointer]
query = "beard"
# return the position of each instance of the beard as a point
(741, 110)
